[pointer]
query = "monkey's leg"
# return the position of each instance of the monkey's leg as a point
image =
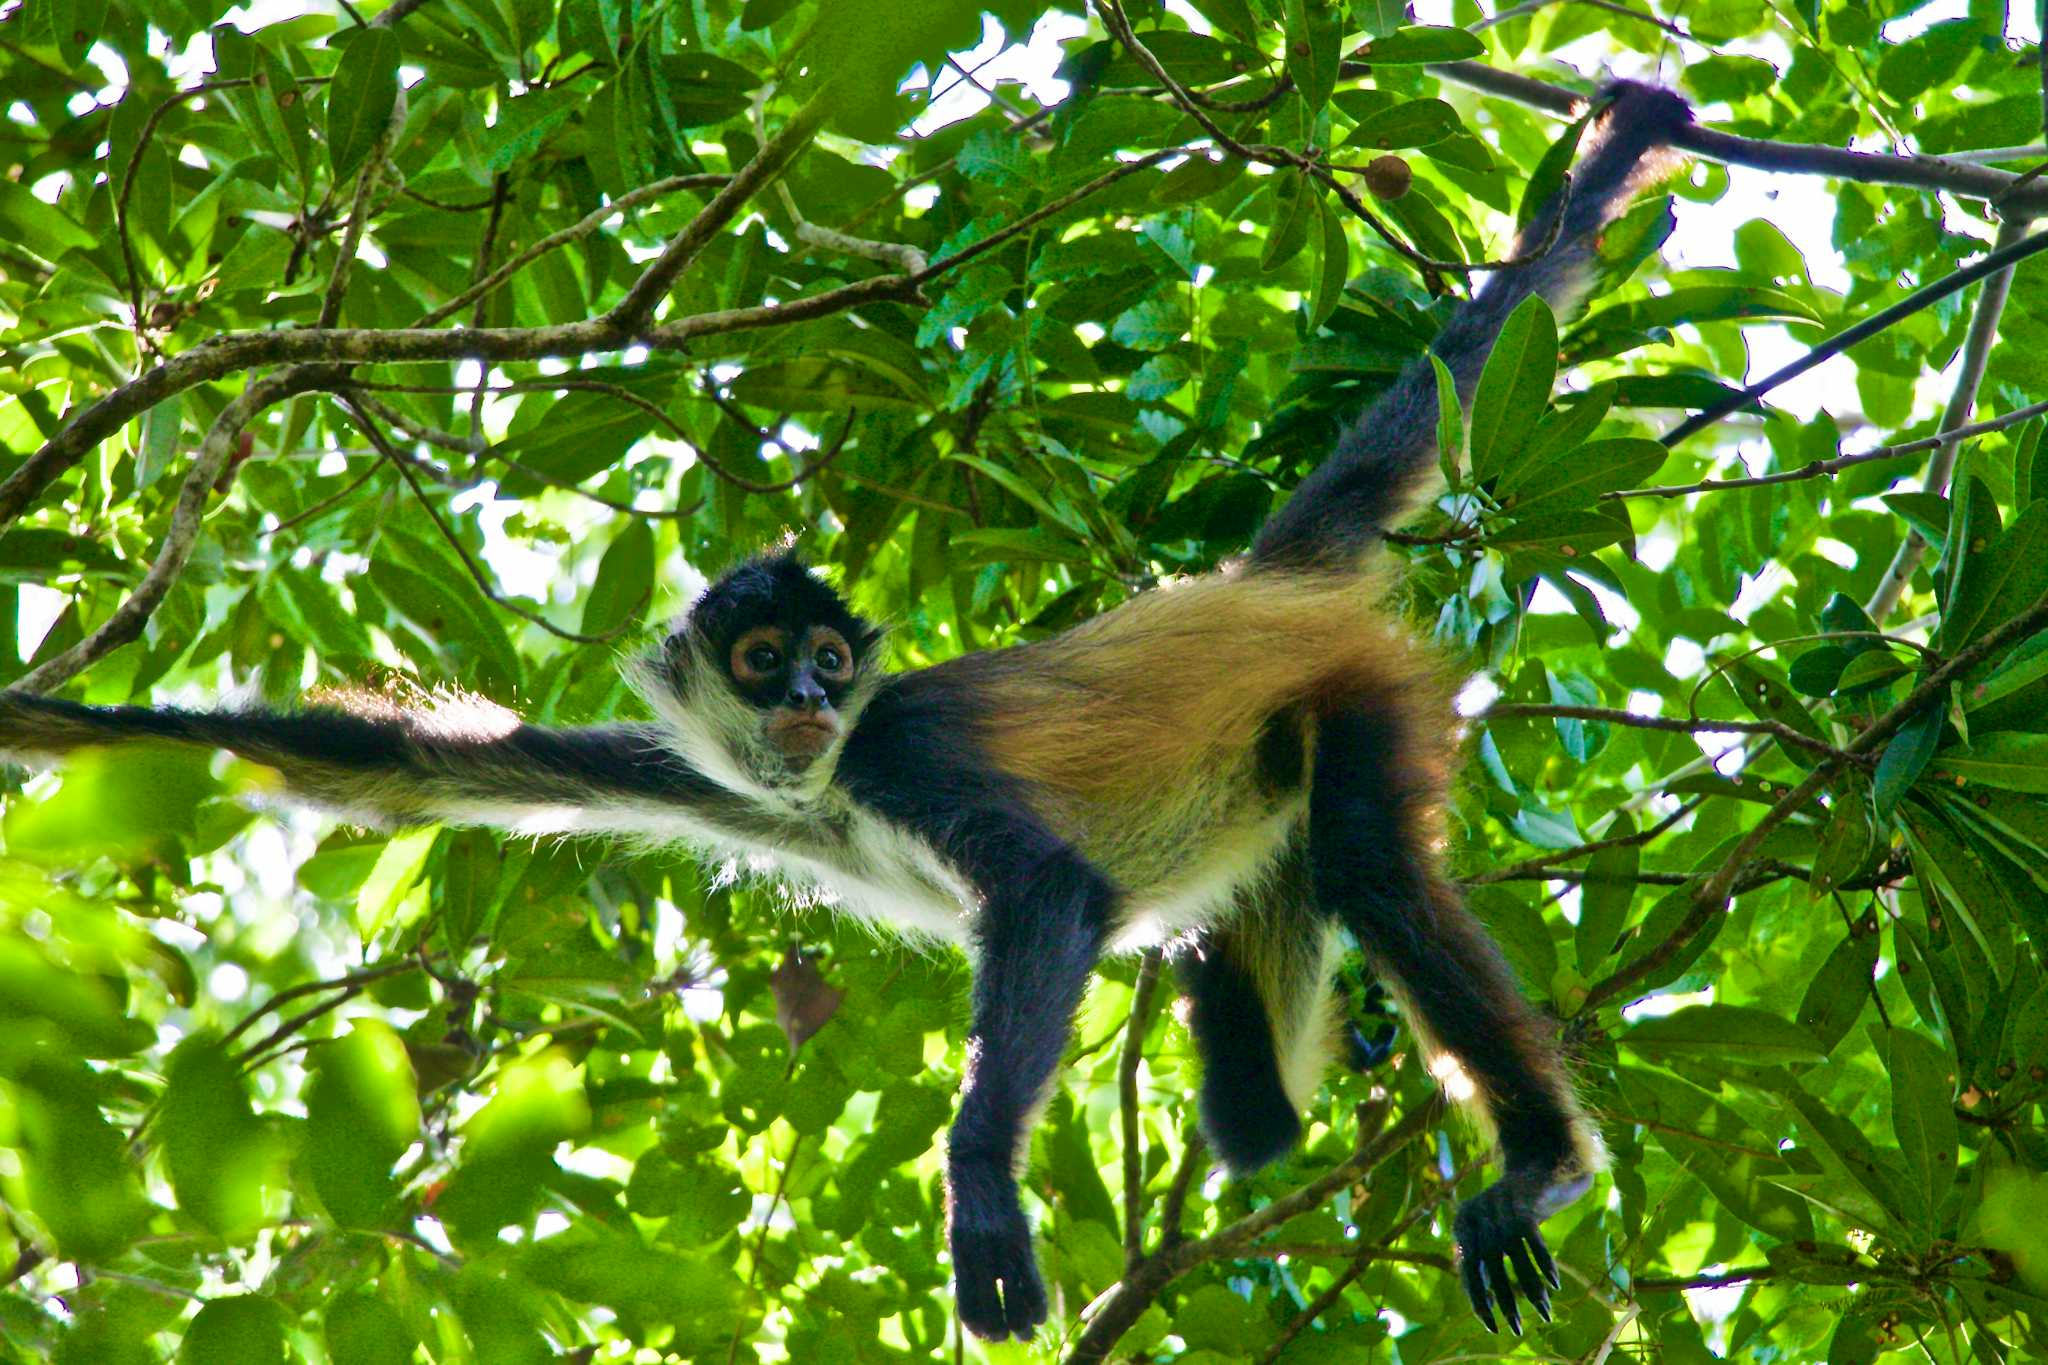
(1035, 940)
(1264, 1018)
(1369, 809)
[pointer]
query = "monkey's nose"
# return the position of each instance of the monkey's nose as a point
(805, 694)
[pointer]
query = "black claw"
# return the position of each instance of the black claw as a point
(1533, 1287)
(1543, 1259)
(1497, 1274)
(1475, 1290)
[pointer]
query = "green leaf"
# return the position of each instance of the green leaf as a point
(242, 1329)
(1858, 1183)
(1844, 844)
(1817, 672)
(2011, 760)
(1315, 35)
(1450, 421)
(578, 435)
(1577, 477)
(2025, 665)
(1836, 996)
(625, 579)
(1750, 1035)
(360, 99)
(1905, 757)
(699, 89)
(362, 1329)
(362, 1113)
(1605, 895)
(1412, 123)
(1759, 688)
(1973, 525)
(1295, 203)
(1333, 266)
(222, 1161)
(396, 873)
(525, 123)
(1999, 580)
(1548, 176)
(1515, 383)
(1152, 324)
(1923, 1116)
(35, 226)
(1421, 44)
(1927, 513)
(1874, 669)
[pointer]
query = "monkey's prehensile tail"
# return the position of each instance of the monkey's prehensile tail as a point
(1339, 510)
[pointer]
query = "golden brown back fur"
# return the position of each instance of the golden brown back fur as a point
(1155, 711)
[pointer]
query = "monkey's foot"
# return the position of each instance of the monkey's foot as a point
(995, 1276)
(1499, 1225)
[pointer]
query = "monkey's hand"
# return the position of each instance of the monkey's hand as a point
(995, 1277)
(1498, 1226)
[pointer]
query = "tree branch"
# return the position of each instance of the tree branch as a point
(1113, 1312)
(1521, 871)
(633, 311)
(1713, 893)
(1777, 729)
(576, 231)
(1817, 469)
(2000, 259)
(186, 518)
(1976, 355)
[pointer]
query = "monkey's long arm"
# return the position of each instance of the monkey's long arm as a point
(1339, 510)
(397, 767)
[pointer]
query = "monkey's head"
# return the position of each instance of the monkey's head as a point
(783, 644)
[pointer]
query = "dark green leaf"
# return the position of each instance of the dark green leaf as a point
(1420, 44)
(1515, 383)
(1923, 1115)
(360, 99)
(2012, 760)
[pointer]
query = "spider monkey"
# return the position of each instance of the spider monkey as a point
(1239, 764)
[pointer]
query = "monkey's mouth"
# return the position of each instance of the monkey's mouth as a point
(802, 738)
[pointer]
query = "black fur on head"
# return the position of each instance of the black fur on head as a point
(772, 589)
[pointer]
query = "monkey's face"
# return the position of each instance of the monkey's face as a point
(788, 648)
(797, 677)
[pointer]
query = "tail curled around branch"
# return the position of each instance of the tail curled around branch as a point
(1340, 510)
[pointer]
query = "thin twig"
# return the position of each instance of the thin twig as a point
(1998, 260)
(1777, 729)
(1517, 871)
(576, 231)
(187, 516)
(1816, 469)
(647, 292)
(475, 570)
(1983, 334)
(1127, 1095)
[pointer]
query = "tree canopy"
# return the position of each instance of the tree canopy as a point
(435, 346)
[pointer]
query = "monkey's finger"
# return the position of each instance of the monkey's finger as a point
(1543, 1259)
(1475, 1290)
(1533, 1287)
(1504, 1292)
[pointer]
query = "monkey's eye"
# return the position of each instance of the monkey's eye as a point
(830, 659)
(763, 659)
